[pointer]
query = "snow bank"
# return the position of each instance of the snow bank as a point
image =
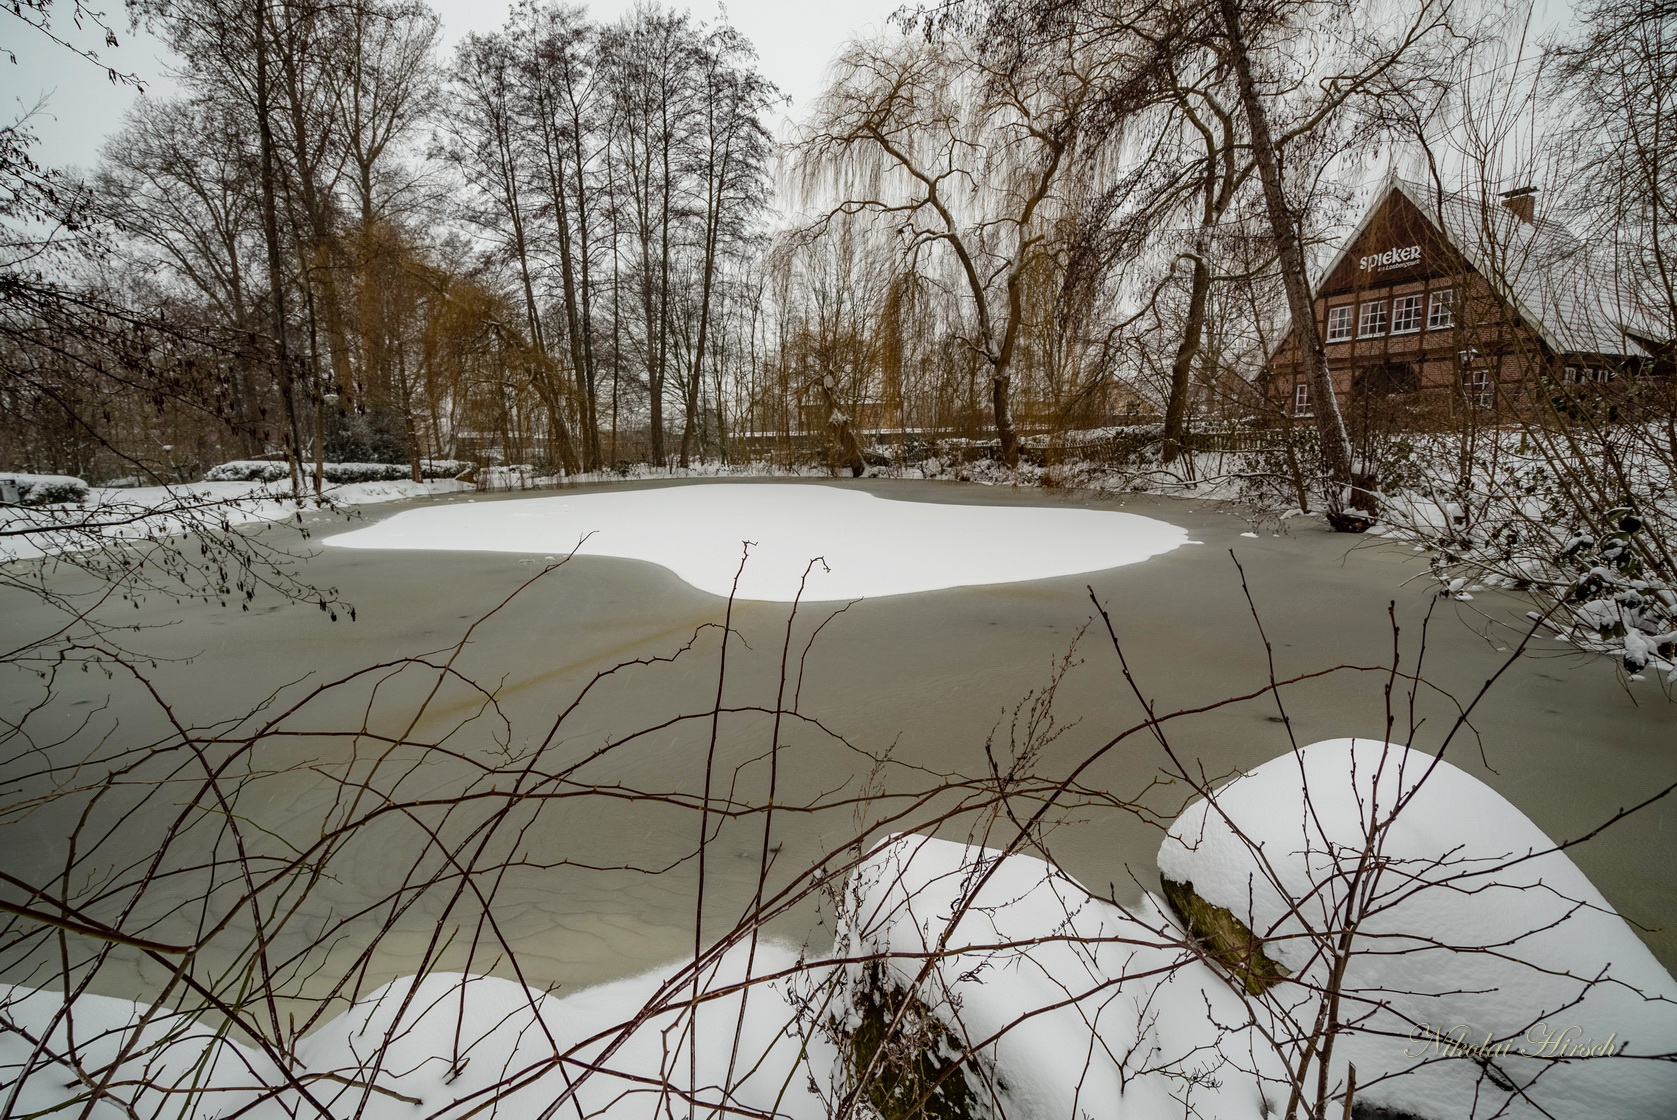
(870, 546)
(1077, 1009)
(440, 1045)
(148, 1058)
(119, 513)
(1462, 938)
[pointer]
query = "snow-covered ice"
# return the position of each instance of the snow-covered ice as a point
(868, 546)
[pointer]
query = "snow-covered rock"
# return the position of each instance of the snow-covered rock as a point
(1074, 1007)
(1486, 975)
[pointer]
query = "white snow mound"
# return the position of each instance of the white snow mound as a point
(442, 1045)
(1075, 1007)
(868, 546)
(1487, 976)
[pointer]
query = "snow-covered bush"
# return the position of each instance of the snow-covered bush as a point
(1591, 547)
(247, 470)
(250, 470)
(44, 489)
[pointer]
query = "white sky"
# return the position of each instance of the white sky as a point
(795, 40)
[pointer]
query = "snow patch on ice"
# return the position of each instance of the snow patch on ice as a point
(868, 546)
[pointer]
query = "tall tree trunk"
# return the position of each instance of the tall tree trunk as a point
(1330, 425)
(713, 219)
(543, 380)
(559, 192)
(666, 198)
(292, 438)
(847, 448)
(1182, 367)
(589, 370)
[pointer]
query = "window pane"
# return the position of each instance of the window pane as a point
(1373, 319)
(1406, 314)
(1339, 323)
(1476, 383)
(1439, 310)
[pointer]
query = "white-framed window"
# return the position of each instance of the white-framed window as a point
(1476, 386)
(1372, 320)
(1406, 314)
(1301, 399)
(1584, 375)
(1441, 310)
(1339, 323)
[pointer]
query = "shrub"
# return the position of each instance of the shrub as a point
(46, 489)
(245, 470)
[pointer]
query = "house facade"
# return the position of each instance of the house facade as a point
(1442, 303)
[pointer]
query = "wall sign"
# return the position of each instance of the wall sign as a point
(1391, 258)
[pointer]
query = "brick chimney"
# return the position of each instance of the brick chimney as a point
(1522, 202)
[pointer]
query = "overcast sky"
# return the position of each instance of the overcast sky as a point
(795, 39)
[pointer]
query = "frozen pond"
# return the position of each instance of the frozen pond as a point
(599, 884)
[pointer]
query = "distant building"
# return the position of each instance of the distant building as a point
(1438, 298)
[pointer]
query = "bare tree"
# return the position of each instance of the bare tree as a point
(967, 165)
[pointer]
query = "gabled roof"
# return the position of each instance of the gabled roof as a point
(1564, 291)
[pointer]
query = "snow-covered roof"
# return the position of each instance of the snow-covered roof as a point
(1564, 288)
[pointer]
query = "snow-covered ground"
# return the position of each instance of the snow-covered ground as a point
(866, 545)
(29, 532)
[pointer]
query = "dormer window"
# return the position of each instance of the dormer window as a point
(1373, 320)
(1339, 323)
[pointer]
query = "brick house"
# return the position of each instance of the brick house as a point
(1445, 303)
